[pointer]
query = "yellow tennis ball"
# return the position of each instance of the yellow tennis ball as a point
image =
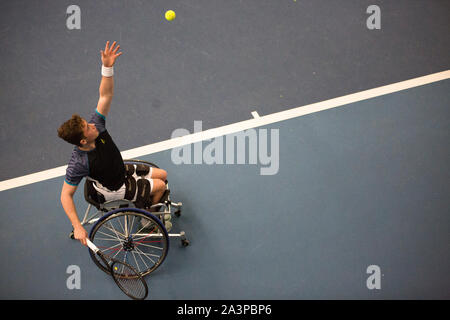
(170, 15)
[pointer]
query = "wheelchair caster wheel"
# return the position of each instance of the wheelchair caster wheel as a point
(177, 213)
(185, 243)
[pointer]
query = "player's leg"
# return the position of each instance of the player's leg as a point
(158, 188)
(160, 174)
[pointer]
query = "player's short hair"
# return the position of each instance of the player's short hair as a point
(72, 130)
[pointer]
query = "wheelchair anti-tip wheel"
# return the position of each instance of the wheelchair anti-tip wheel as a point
(131, 235)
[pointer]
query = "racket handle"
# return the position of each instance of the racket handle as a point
(91, 246)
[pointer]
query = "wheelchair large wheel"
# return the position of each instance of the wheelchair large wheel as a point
(131, 235)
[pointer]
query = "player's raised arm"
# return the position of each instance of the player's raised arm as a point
(106, 91)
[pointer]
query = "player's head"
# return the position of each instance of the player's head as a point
(78, 131)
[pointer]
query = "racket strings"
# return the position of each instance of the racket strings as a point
(129, 281)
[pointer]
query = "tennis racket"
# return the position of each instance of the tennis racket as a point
(125, 276)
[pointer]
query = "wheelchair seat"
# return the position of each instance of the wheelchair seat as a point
(95, 198)
(92, 196)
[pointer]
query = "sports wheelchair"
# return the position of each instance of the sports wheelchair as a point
(130, 233)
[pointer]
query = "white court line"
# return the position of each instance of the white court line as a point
(255, 114)
(240, 126)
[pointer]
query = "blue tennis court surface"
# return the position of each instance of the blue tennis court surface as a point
(360, 185)
(354, 200)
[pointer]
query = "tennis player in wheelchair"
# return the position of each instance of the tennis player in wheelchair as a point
(96, 156)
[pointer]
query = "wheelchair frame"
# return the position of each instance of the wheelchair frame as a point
(108, 206)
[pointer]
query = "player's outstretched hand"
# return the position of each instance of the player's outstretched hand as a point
(109, 55)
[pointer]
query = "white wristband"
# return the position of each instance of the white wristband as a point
(107, 71)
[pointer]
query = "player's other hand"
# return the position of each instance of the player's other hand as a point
(109, 55)
(80, 234)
